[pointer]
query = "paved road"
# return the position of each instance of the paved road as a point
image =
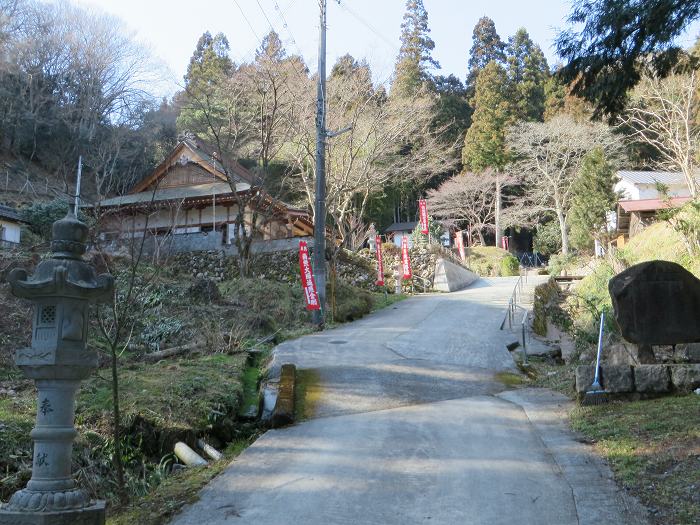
(414, 427)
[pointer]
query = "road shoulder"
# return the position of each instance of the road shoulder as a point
(597, 497)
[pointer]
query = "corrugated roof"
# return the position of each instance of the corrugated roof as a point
(10, 214)
(652, 204)
(402, 227)
(652, 177)
(169, 194)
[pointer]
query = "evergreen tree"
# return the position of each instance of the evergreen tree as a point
(487, 47)
(594, 197)
(610, 43)
(527, 72)
(271, 48)
(558, 99)
(485, 141)
(205, 109)
(209, 60)
(452, 108)
(414, 62)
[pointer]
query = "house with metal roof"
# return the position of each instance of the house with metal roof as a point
(10, 227)
(642, 198)
(189, 200)
(398, 230)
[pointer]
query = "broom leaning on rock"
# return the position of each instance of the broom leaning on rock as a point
(596, 395)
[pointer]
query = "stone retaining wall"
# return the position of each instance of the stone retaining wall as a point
(640, 379)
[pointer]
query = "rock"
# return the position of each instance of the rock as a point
(617, 378)
(584, 378)
(651, 378)
(657, 303)
(614, 378)
(685, 378)
(688, 353)
(694, 353)
(621, 354)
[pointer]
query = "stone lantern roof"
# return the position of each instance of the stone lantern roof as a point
(64, 274)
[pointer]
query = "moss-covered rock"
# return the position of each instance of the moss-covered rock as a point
(545, 295)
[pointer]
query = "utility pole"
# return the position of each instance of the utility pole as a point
(76, 203)
(320, 209)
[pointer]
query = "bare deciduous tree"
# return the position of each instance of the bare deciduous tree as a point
(661, 114)
(469, 198)
(547, 159)
(380, 146)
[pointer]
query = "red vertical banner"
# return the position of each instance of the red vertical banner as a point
(380, 261)
(459, 241)
(423, 212)
(307, 278)
(504, 242)
(405, 258)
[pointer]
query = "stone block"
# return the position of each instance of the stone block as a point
(617, 378)
(584, 378)
(621, 354)
(614, 378)
(688, 352)
(651, 378)
(685, 378)
(93, 515)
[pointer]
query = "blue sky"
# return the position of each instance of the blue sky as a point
(363, 28)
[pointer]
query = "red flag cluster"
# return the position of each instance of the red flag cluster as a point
(307, 278)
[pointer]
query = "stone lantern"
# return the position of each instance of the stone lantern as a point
(61, 289)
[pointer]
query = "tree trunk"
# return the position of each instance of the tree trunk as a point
(564, 232)
(498, 210)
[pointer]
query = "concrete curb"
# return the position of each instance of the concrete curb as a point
(283, 413)
(597, 497)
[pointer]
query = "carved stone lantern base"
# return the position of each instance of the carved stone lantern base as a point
(93, 515)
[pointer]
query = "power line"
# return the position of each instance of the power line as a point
(369, 26)
(286, 26)
(272, 27)
(247, 21)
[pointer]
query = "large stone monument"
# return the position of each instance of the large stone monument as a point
(61, 289)
(656, 303)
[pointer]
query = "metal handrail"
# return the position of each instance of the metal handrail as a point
(423, 283)
(524, 332)
(513, 301)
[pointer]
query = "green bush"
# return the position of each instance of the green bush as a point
(547, 240)
(510, 266)
(486, 260)
(267, 304)
(351, 303)
(545, 295)
(435, 229)
(560, 262)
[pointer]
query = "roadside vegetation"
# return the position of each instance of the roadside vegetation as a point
(191, 369)
(653, 447)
